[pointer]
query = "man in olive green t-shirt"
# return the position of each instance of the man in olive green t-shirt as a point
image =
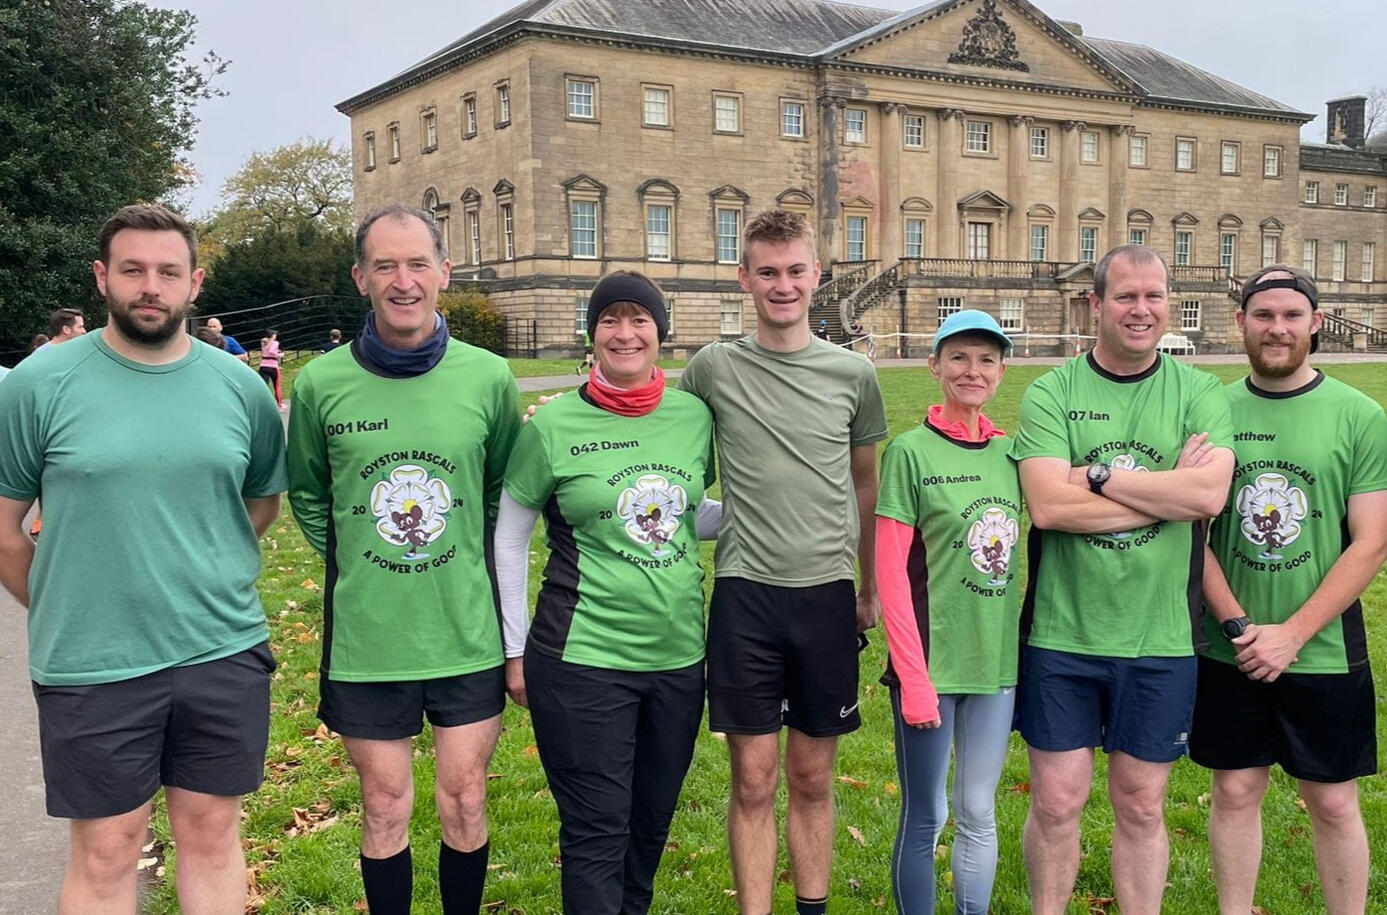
(1123, 453)
(160, 461)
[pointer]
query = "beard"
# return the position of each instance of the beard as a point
(1297, 354)
(146, 331)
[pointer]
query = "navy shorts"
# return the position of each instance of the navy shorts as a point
(204, 727)
(396, 709)
(1317, 727)
(782, 657)
(1138, 706)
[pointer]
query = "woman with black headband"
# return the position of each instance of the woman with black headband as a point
(613, 671)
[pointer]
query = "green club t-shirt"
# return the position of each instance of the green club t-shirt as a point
(395, 481)
(622, 587)
(1301, 454)
(964, 501)
(148, 559)
(1133, 593)
(786, 425)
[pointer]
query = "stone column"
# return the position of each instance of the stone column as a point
(1068, 216)
(1118, 164)
(950, 148)
(1018, 187)
(890, 246)
(830, 140)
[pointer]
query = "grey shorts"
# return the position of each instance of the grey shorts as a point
(108, 747)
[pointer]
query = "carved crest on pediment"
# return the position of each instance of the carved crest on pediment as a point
(988, 41)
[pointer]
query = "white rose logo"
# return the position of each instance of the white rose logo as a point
(1124, 462)
(410, 509)
(1271, 510)
(651, 510)
(991, 538)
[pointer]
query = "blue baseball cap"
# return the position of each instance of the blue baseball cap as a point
(971, 320)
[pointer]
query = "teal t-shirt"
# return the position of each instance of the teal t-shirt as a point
(622, 588)
(964, 501)
(147, 559)
(786, 425)
(1301, 454)
(1127, 594)
(395, 481)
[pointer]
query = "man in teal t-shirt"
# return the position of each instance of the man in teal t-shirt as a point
(1123, 453)
(398, 444)
(160, 461)
(1286, 677)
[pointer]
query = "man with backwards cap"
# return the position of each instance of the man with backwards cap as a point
(398, 443)
(1285, 678)
(1123, 454)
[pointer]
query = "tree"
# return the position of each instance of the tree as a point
(97, 107)
(1375, 114)
(303, 259)
(307, 181)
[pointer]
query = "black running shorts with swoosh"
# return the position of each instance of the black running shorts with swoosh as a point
(782, 657)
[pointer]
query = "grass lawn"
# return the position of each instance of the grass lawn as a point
(301, 829)
(539, 368)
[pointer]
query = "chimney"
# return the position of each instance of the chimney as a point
(1072, 28)
(1344, 120)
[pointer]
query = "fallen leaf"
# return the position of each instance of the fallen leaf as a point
(1020, 788)
(531, 750)
(890, 788)
(853, 782)
(857, 835)
(309, 584)
(145, 863)
(1258, 910)
(854, 883)
(1099, 905)
(1204, 799)
(291, 605)
(1300, 802)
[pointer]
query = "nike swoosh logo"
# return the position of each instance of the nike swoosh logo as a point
(848, 710)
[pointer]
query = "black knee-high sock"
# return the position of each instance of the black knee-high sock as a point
(461, 876)
(811, 906)
(389, 883)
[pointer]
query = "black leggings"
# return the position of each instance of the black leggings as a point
(271, 375)
(615, 746)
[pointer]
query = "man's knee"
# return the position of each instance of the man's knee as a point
(1333, 807)
(207, 827)
(387, 804)
(1239, 790)
(106, 851)
(809, 781)
(462, 804)
(1140, 808)
(755, 776)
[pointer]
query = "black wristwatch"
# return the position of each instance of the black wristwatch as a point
(1234, 627)
(1098, 474)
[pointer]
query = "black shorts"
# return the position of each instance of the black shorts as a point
(396, 709)
(108, 747)
(1317, 727)
(782, 657)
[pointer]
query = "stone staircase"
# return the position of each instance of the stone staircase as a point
(826, 305)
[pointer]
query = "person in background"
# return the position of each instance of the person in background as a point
(613, 666)
(950, 599)
(64, 324)
(269, 364)
(38, 341)
(230, 343)
(334, 340)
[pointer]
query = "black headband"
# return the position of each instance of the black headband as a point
(625, 288)
(1297, 283)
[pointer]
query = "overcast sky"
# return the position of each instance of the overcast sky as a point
(293, 60)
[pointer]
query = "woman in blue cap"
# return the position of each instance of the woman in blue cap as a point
(948, 521)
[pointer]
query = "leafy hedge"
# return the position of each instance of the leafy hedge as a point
(473, 319)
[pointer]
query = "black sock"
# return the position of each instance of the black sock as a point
(461, 876)
(389, 883)
(811, 906)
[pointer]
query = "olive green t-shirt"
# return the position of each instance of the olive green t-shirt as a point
(1301, 454)
(1127, 594)
(786, 424)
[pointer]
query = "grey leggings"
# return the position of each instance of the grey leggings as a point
(977, 728)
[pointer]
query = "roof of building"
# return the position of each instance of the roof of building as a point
(800, 28)
(1336, 157)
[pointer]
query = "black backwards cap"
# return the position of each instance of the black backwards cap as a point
(1298, 280)
(623, 287)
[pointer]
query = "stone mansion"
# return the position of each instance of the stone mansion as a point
(968, 153)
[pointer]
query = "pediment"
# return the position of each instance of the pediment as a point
(729, 192)
(983, 200)
(1092, 214)
(795, 197)
(1271, 224)
(657, 187)
(1185, 219)
(1041, 211)
(431, 199)
(1229, 221)
(916, 205)
(1008, 40)
(502, 188)
(858, 203)
(1140, 216)
(585, 183)
(471, 195)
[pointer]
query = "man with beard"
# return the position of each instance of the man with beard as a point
(1285, 679)
(153, 452)
(399, 443)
